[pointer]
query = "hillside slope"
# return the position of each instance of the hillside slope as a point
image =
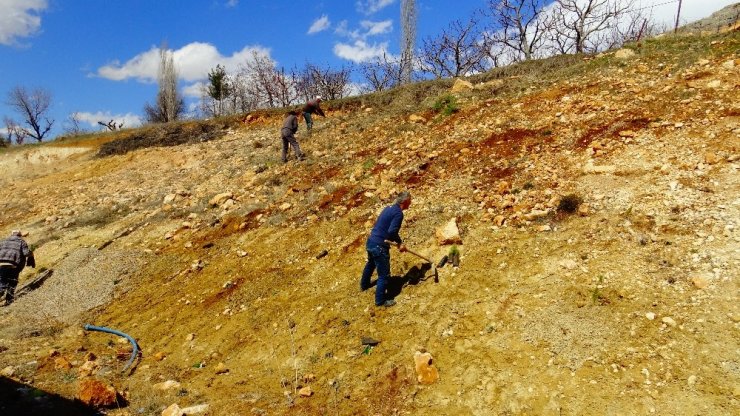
(209, 253)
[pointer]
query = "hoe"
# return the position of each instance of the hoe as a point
(434, 266)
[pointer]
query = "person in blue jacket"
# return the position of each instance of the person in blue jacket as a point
(386, 228)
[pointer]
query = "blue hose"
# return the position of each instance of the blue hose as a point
(89, 327)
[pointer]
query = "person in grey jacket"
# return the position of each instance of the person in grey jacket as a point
(290, 127)
(14, 256)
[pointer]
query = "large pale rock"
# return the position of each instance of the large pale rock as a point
(591, 168)
(194, 410)
(220, 198)
(305, 392)
(415, 118)
(461, 85)
(61, 363)
(94, 392)
(7, 371)
(425, 370)
(624, 53)
(173, 410)
(449, 233)
(88, 368)
(167, 385)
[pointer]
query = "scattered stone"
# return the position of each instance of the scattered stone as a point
(426, 371)
(7, 371)
(535, 214)
(285, 206)
(650, 316)
(221, 368)
(305, 391)
(568, 264)
(159, 356)
(190, 337)
(167, 385)
(624, 53)
(323, 254)
(61, 363)
(53, 353)
(461, 85)
(714, 84)
(627, 133)
(415, 118)
(503, 187)
(94, 392)
(499, 220)
(584, 210)
(669, 321)
(369, 341)
(711, 158)
(700, 281)
(728, 64)
(691, 380)
(220, 198)
(194, 410)
(88, 368)
(449, 233)
(173, 410)
(591, 168)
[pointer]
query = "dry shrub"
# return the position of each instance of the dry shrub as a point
(569, 204)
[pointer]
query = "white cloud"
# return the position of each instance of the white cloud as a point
(377, 28)
(319, 25)
(193, 62)
(372, 6)
(360, 51)
(194, 90)
(19, 19)
(232, 3)
(128, 119)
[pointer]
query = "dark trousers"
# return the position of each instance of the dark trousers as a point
(307, 117)
(8, 282)
(289, 140)
(378, 258)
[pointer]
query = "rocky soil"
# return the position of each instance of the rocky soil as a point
(598, 205)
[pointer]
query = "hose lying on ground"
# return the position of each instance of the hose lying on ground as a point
(135, 352)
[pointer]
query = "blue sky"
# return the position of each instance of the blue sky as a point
(99, 58)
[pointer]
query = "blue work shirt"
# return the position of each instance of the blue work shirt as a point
(386, 227)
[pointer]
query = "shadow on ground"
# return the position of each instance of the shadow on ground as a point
(414, 276)
(17, 399)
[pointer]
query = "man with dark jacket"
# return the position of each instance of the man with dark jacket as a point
(378, 251)
(312, 107)
(290, 127)
(14, 255)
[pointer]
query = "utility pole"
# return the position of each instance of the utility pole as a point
(678, 16)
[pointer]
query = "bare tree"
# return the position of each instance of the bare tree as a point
(170, 104)
(519, 25)
(259, 72)
(459, 50)
(73, 125)
(14, 129)
(331, 83)
(579, 25)
(632, 26)
(111, 125)
(408, 39)
(33, 107)
(383, 73)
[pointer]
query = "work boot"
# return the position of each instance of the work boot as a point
(388, 303)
